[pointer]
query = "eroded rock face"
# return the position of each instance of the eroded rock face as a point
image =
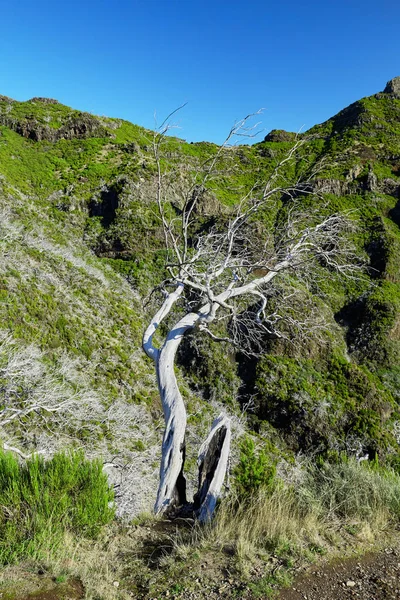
(106, 203)
(393, 87)
(356, 185)
(206, 204)
(77, 126)
(391, 187)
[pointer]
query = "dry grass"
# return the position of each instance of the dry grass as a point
(330, 508)
(97, 565)
(331, 501)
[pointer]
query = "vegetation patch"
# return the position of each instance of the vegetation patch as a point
(41, 500)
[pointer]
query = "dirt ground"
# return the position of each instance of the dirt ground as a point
(374, 576)
(31, 586)
(371, 577)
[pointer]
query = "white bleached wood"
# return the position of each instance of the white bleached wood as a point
(172, 485)
(160, 315)
(213, 464)
(20, 453)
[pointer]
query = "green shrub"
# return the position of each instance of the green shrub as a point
(255, 470)
(41, 500)
(319, 404)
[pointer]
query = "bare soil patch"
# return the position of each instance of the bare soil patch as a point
(371, 577)
(31, 586)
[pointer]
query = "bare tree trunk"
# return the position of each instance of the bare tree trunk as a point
(213, 464)
(213, 455)
(172, 488)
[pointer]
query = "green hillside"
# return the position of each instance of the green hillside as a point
(81, 248)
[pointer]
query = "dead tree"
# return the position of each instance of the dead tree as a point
(216, 277)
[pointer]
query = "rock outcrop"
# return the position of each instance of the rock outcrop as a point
(393, 87)
(280, 135)
(44, 100)
(80, 126)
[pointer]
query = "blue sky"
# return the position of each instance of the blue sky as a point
(302, 61)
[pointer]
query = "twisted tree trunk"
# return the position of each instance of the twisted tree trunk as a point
(213, 464)
(172, 487)
(214, 453)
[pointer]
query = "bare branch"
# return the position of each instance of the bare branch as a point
(19, 452)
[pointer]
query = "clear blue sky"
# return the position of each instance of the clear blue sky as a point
(301, 60)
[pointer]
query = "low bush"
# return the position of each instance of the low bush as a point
(41, 500)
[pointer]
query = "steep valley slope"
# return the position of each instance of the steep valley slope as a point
(81, 247)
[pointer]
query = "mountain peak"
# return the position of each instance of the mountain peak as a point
(393, 87)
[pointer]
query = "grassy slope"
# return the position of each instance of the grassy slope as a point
(73, 320)
(71, 330)
(65, 181)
